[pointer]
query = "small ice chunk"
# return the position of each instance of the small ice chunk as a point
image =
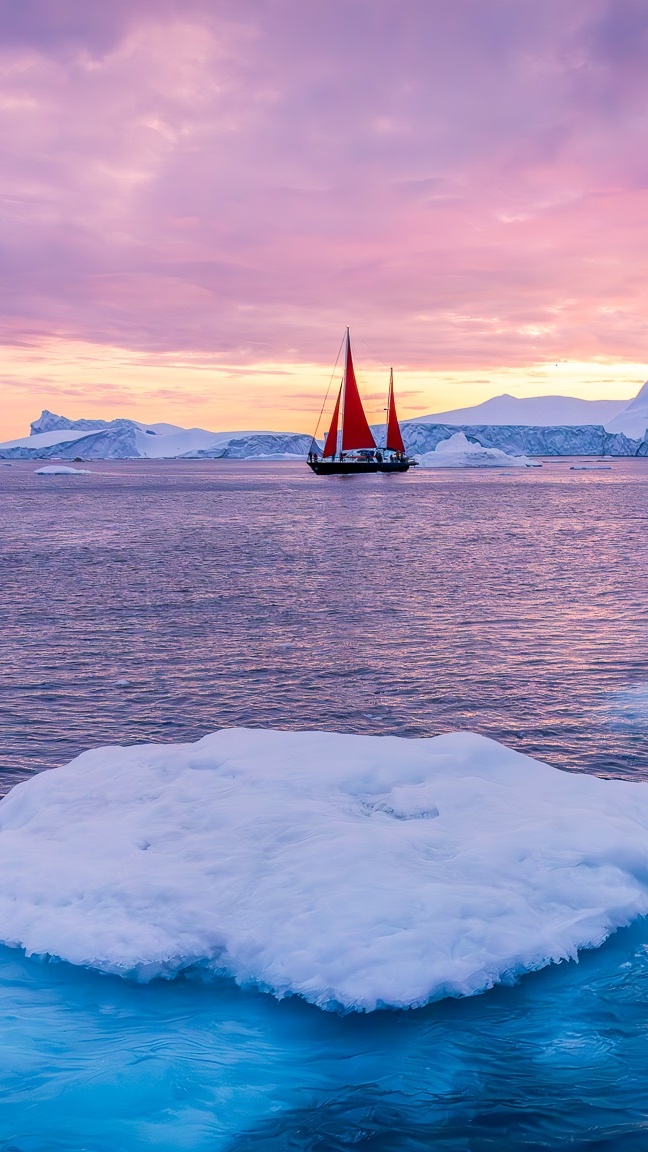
(59, 470)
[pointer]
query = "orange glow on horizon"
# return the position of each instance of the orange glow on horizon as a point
(77, 379)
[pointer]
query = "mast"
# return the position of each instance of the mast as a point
(347, 353)
(393, 439)
(356, 432)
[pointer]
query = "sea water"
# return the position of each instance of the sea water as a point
(161, 601)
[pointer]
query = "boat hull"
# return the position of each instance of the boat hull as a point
(353, 467)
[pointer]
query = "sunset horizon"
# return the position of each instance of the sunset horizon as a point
(198, 198)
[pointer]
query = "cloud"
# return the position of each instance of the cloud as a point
(463, 182)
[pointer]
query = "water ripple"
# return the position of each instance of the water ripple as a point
(159, 602)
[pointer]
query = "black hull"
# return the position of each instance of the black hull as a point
(353, 467)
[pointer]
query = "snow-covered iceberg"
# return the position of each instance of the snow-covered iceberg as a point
(356, 871)
(57, 437)
(255, 446)
(61, 470)
(460, 452)
(522, 440)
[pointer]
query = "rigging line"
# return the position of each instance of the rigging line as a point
(377, 413)
(328, 390)
(372, 354)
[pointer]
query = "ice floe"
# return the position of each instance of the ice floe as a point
(356, 871)
(460, 452)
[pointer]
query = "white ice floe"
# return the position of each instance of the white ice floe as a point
(59, 470)
(356, 871)
(460, 452)
(591, 468)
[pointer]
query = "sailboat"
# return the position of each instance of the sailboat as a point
(358, 451)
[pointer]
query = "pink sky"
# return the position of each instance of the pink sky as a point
(198, 196)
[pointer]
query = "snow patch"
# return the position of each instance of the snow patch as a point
(460, 452)
(355, 871)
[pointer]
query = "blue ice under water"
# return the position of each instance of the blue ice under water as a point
(92, 1062)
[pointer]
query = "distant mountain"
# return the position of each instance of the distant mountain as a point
(633, 421)
(532, 412)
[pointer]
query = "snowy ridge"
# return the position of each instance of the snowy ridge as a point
(356, 871)
(633, 421)
(532, 411)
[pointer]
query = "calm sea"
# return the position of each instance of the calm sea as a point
(159, 601)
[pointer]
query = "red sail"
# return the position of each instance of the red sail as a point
(394, 439)
(330, 447)
(356, 433)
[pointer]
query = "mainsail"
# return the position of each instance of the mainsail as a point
(394, 439)
(356, 432)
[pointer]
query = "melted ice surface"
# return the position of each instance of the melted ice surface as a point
(356, 871)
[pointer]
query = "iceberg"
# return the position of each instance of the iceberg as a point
(460, 452)
(256, 446)
(50, 422)
(523, 440)
(60, 470)
(358, 872)
(57, 437)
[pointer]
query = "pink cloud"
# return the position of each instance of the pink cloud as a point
(465, 183)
